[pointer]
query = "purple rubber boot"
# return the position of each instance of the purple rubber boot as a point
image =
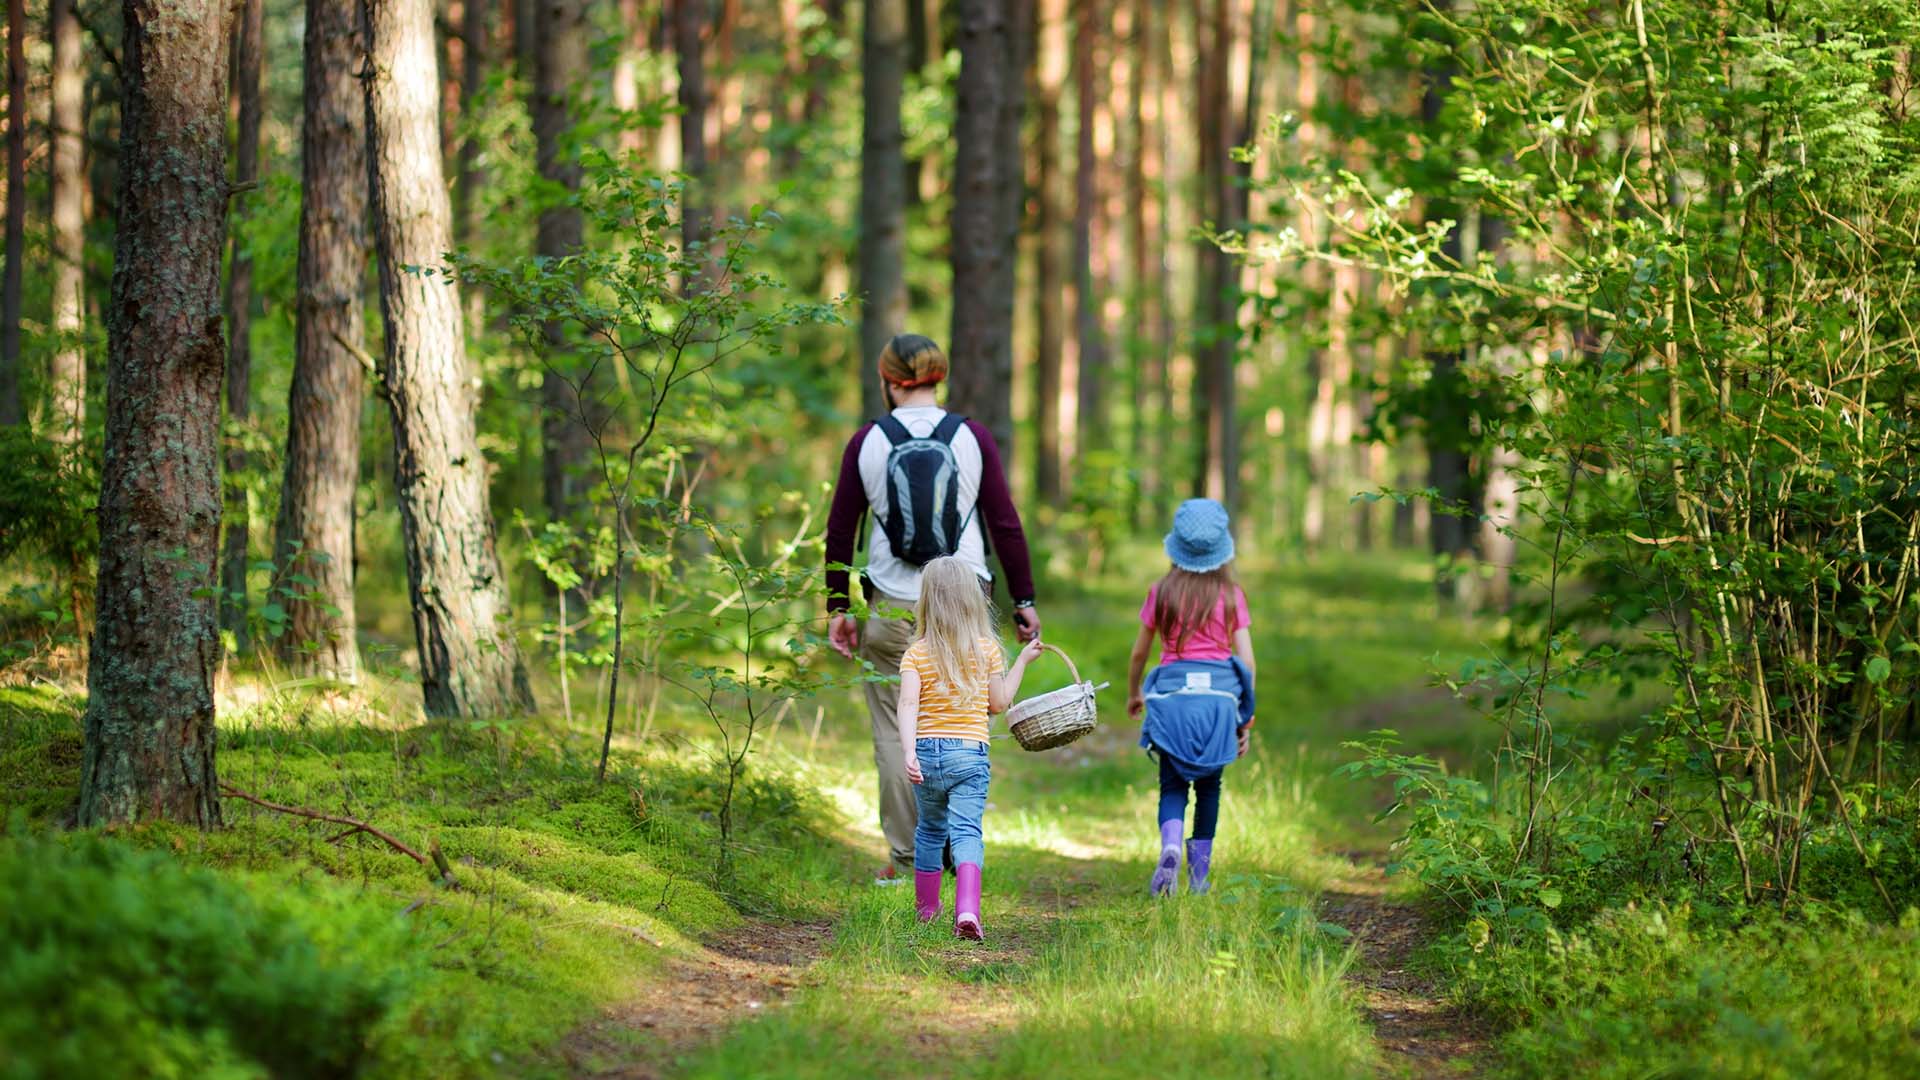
(1167, 871)
(926, 894)
(1199, 861)
(966, 901)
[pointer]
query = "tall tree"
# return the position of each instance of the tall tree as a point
(1144, 357)
(1050, 244)
(883, 189)
(150, 714)
(1446, 420)
(248, 42)
(1213, 398)
(689, 26)
(988, 188)
(313, 537)
(470, 663)
(473, 75)
(66, 188)
(560, 55)
(11, 411)
(1090, 342)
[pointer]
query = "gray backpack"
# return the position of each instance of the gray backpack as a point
(923, 491)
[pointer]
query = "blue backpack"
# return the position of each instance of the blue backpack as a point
(923, 491)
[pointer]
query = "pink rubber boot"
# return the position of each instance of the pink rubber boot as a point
(926, 894)
(966, 902)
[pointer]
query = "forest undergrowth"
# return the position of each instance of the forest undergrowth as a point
(330, 953)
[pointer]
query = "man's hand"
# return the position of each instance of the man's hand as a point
(1026, 623)
(913, 769)
(843, 633)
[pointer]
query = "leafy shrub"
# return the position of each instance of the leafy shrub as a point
(119, 962)
(1648, 992)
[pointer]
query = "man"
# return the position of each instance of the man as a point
(977, 500)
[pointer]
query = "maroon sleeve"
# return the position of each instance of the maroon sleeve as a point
(843, 522)
(1001, 519)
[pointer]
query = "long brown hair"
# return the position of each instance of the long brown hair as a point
(1184, 601)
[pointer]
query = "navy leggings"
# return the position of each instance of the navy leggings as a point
(1206, 799)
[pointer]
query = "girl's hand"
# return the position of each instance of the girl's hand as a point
(1029, 652)
(1137, 704)
(1246, 734)
(913, 765)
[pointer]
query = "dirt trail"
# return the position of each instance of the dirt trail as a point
(693, 1003)
(1419, 1033)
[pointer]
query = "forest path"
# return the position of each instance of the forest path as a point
(694, 1001)
(1418, 1031)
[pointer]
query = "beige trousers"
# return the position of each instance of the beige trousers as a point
(883, 641)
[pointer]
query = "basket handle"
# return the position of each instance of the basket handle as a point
(1071, 668)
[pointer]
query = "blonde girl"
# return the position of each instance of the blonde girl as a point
(951, 677)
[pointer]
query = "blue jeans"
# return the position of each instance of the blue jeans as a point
(1206, 798)
(953, 798)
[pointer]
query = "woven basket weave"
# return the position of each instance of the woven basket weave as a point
(1056, 718)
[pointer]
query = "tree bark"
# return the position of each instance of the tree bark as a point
(1446, 435)
(1143, 284)
(560, 56)
(1050, 253)
(11, 409)
(626, 75)
(1090, 343)
(883, 191)
(467, 177)
(67, 371)
(689, 20)
(314, 535)
(150, 714)
(247, 46)
(987, 188)
(470, 663)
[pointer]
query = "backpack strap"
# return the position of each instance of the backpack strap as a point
(947, 428)
(894, 431)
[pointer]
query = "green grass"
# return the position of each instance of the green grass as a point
(571, 897)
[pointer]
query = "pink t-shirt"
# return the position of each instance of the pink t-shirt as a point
(1211, 640)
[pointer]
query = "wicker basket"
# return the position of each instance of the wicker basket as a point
(1056, 718)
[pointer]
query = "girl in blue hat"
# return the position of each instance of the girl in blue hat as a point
(1198, 703)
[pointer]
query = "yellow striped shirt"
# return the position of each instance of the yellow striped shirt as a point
(947, 711)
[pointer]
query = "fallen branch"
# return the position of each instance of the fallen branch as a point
(436, 865)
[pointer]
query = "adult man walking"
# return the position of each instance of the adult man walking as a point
(945, 474)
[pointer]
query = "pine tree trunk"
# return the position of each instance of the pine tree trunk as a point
(150, 713)
(626, 73)
(987, 189)
(314, 535)
(470, 663)
(883, 191)
(1447, 474)
(247, 45)
(11, 409)
(467, 177)
(929, 55)
(689, 21)
(1090, 343)
(1145, 285)
(560, 56)
(67, 371)
(1050, 253)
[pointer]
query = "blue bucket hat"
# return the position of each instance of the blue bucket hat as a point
(1200, 542)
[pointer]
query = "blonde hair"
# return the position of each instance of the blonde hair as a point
(954, 617)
